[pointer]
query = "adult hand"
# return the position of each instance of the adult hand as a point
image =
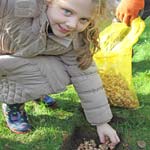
(105, 132)
(128, 10)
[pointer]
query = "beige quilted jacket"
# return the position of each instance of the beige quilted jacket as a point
(31, 64)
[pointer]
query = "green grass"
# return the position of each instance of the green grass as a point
(52, 127)
(49, 125)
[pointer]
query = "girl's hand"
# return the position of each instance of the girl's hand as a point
(106, 132)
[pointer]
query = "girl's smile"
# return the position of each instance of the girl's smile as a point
(67, 16)
(63, 29)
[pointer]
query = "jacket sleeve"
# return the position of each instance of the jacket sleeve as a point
(19, 8)
(6, 7)
(90, 90)
(26, 8)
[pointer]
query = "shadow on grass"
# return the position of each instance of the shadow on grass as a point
(67, 105)
(144, 99)
(6, 144)
(141, 66)
(79, 135)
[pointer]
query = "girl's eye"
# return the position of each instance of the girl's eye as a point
(84, 20)
(67, 12)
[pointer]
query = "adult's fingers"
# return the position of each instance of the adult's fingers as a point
(127, 19)
(132, 18)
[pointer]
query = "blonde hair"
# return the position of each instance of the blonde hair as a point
(90, 35)
(93, 30)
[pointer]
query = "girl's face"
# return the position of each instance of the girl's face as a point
(68, 16)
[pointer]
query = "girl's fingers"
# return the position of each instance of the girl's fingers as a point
(114, 141)
(102, 138)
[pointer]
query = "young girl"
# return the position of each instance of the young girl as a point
(44, 46)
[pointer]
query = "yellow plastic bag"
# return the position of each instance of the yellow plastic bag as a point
(114, 61)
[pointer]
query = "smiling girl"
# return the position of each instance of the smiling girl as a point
(44, 46)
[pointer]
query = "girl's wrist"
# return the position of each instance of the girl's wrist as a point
(103, 124)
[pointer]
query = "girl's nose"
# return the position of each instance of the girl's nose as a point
(72, 22)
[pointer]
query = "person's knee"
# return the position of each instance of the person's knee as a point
(55, 73)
